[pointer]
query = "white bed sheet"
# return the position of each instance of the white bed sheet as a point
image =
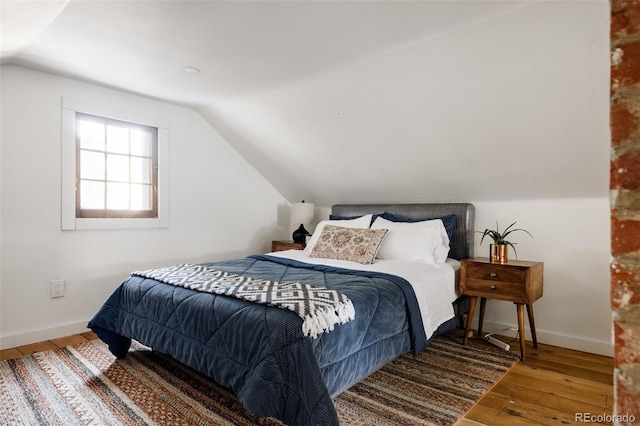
(435, 286)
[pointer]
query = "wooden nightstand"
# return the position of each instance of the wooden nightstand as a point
(517, 281)
(286, 245)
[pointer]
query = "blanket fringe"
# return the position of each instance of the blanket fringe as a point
(324, 319)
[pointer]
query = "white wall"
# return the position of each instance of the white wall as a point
(524, 95)
(572, 238)
(220, 208)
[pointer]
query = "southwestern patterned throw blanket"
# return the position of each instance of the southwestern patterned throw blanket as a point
(320, 308)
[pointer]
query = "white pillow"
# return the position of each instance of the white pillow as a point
(425, 241)
(363, 222)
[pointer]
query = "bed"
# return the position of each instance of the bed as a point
(261, 352)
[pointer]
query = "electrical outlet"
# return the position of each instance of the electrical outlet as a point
(57, 288)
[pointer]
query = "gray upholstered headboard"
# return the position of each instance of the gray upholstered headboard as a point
(462, 243)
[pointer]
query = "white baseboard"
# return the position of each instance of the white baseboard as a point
(27, 338)
(550, 338)
(546, 337)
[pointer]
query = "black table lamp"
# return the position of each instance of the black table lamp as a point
(301, 213)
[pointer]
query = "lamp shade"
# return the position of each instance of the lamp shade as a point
(301, 212)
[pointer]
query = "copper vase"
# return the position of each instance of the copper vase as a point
(499, 253)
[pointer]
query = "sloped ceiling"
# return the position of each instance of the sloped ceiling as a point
(337, 101)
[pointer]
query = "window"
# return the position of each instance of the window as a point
(114, 168)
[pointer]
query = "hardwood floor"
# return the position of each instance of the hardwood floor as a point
(550, 388)
(554, 386)
(46, 346)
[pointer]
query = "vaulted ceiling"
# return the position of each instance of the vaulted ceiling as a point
(357, 101)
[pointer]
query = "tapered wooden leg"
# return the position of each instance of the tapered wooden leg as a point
(521, 329)
(532, 324)
(472, 307)
(483, 305)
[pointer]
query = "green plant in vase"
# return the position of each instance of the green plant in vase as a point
(498, 251)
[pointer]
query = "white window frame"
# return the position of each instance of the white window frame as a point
(68, 150)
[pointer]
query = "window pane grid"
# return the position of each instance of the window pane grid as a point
(117, 168)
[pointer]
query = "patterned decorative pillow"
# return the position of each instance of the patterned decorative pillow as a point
(363, 222)
(354, 244)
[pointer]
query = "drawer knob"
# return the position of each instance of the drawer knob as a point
(493, 287)
(493, 275)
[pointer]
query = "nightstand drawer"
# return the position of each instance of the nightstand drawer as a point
(286, 245)
(500, 273)
(496, 289)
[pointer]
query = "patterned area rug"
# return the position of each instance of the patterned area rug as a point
(85, 385)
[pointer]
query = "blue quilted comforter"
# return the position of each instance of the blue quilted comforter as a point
(259, 351)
